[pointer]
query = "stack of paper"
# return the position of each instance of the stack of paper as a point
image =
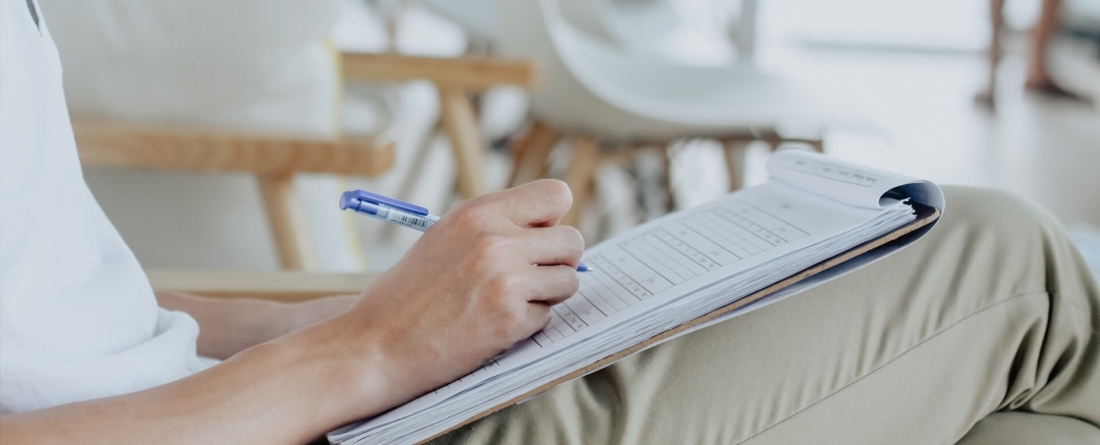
(670, 272)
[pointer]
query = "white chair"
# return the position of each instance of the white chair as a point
(633, 25)
(475, 16)
(610, 102)
(657, 28)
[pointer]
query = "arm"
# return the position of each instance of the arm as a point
(229, 326)
(465, 292)
(287, 391)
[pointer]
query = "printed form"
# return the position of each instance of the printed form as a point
(740, 241)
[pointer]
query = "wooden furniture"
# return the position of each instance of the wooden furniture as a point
(458, 80)
(531, 158)
(284, 286)
(274, 158)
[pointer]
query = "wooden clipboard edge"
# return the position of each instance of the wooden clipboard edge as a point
(925, 216)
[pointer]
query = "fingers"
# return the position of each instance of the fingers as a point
(538, 316)
(552, 246)
(550, 284)
(539, 203)
(519, 303)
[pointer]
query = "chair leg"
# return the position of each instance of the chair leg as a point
(735, 163)
(532, 156)
(293, 240)
(773, 140)
(746, 31)
(413, 176)
(460, 122)
(581, 177)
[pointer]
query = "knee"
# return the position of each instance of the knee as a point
(988, 236)
(1005, 223)
(996, 212)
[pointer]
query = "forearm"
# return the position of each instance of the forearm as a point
(422, 324)
(228, 326)
(287, 391)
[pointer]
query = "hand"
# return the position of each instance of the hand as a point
(468, 289)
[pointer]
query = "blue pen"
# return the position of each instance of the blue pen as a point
(397, 212)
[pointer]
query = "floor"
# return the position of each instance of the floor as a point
(918, 117)
(910, 109)
(907, 73)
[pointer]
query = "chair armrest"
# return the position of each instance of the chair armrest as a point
(120, 144)
(276, 286)
(463, 73)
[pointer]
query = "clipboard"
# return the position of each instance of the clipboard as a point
(926, 216)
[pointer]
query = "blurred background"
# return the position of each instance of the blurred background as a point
(219, 134)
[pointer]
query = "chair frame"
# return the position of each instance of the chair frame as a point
(281, 286)
(275, 158)
(532, 157)
(459, 79)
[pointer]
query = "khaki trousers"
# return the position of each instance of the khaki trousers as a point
(983, 332)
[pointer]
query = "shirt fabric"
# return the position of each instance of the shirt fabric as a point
(78, 319)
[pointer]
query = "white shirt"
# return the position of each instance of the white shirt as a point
(78, 319)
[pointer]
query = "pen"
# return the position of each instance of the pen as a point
(396, 212)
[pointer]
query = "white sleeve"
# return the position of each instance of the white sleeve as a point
(78, 319)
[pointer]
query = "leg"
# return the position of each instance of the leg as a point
(993, 310)
(1038, 75)
(1040, 40)
(735, 162)
(460, 123)
(996, 24)
(746, 31)
(817, 144)
(1012, 427)
(415, 173)
(289, 226)
(532, 155)
(581, 176)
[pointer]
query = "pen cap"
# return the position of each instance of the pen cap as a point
(352, 198)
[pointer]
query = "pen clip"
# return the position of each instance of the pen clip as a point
(348, 199)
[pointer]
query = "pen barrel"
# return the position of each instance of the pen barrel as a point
(410, 220)
(418, 221)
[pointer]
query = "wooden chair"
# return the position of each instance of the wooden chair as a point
(459, 80)
(531, 157)
(282, 286)
(154, 67)
(276, 158)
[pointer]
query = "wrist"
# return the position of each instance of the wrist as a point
(347, 367)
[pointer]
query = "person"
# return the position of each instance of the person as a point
(1039, 79)
(986, 328)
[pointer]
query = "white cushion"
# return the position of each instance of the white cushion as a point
(265, 65)
(254, 63)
